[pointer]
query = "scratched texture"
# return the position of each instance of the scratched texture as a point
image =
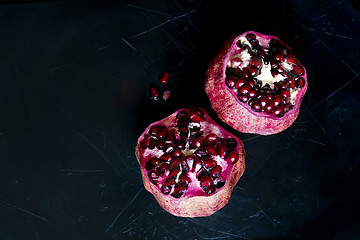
(74, 99)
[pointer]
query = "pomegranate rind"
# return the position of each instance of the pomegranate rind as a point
(190, 205)
(235, 113)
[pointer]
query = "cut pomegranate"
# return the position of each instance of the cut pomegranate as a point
(256, 84)
(195, 168)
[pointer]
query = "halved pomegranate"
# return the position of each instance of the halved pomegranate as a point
(256, 84)
(189, 163)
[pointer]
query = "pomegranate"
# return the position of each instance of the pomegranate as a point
(189, 163)
(256, 84)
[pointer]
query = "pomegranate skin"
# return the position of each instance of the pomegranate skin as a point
(201, 205)
(231, 110)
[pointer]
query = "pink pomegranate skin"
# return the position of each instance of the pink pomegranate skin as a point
(235, 113)
(193, 205)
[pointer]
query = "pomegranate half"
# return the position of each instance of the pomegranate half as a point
(256, 84)
(189, 163)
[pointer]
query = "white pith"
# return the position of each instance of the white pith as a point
(240, 58)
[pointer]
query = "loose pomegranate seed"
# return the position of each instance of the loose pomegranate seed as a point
(154, 92)
(166, 95)
(164, 78)
(232, 157)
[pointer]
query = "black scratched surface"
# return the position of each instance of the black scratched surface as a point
(74, 98)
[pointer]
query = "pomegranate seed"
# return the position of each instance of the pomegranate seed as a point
(245, 73)
(210, 139)
(175, 162)
(166, 95)
(278, 57)
(287, 107)
(243, 98)
(262, 54)
(158, 131)
(299, 70)
(230, 82)
(255, 62)
(201, 152)
(269, 107)
(197, 165)
(167, 185)
(291, 82)
(184, 179)
(182, 114)
(174, 172)
(300, 82)
(263, 102)
(283, 50)
(196, 141)
(277, 100)
(152, 144)
(189, 163)
(255, 105)
(154, 174)
(253, 71)
(285, 93)
(251, 83)
(244, 90)
(219, 182)
(164, 78)
(178, 191)
(278, 111)
(154, 92)
(145, 142)
(160, 144)
(250, 36)
(230, 143)
(164, 167)
(166, 157)
(277, 86)
(152, 163)
(232, 157)
(222, 151)
(205, 181)
(216, 171)
(269, 96)
(235, 72)
(252, 93)
(209, 163)
(239, 82)
(195, 116)
(291, 59)
(176, 152)
(212, 150)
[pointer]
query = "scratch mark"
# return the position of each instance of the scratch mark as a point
(37, 234)
(118, 154)
(262, 211)
(262, 163)
(337, 35)
(126, 226)
(225, 235)
(146, 9)
(313, 141)
(98, 151)
(311, 31)
(83, 170)
(124, 208)
(13, 207)
(317, 121)
(251, 138)
(62, 66)
(162, 24)
(128, 44)
(336, 91)
(315, 19)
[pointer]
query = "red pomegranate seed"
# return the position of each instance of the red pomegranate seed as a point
(263, 102)
(253, 71)
(166, 95)
(219, 182)
(278, 57)
(243, 98)
(239, 82)
(195, 116)
(197, 166)
(154, 92)
(255, 62)
(300, 82)
(298, 69)
(152, 163)
(167, 185)
(244, 90)
(178, 191)
(184, 179)
(277, 100)
(215, 171)
(255, 105)
(291, 59)
(222, 150)
(250, 36)
(209, 163)
(205, 181)
(269, 107)
(232, 157)
(174, 171)
(212, 150)
(158, 131)
(230, 82)
(196, 141)
(285, 93)
(291, 82)
(164, 78)
(278, 111)
(211, 138)
(252, 93)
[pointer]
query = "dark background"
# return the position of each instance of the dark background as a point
(74, 80)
